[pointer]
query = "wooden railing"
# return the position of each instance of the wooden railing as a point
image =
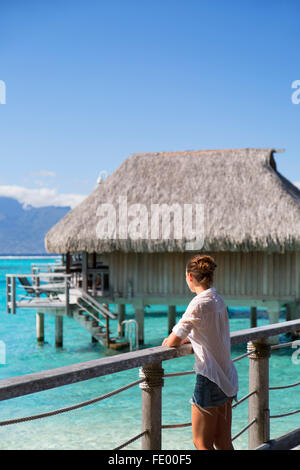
(151, 381)
(33, 286)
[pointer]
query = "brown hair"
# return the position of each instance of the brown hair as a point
(202, 268)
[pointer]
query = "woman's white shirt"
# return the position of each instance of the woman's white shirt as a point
(205, 322)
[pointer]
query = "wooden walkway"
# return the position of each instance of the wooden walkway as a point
(61, 299)
(151, 380)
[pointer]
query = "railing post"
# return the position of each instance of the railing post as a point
(152, 405)
(8, 293)
(13, 294)
(259, 432)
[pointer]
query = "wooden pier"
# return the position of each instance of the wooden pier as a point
(151, 380)
(57, 293)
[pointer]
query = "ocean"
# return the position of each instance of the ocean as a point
(109, 423)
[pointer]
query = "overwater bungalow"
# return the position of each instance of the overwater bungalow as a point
(129, 240)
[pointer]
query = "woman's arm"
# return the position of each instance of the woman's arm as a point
(183, 328)
(174, 341)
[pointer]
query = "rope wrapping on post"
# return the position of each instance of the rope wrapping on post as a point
(151, 378)
(258, 350)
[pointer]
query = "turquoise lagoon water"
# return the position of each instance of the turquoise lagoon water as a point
(107, 424)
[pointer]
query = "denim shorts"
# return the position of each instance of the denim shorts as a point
(208, 394)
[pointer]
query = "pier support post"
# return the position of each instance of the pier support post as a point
(288, 312)
(259, 432)
(253, 317)
(152, 405)
(273, 318)
(139, 317)
(59, 331)
(295, 310)
(95, 323)
(68, 263)
(107, 332)
(85, 271)
(40, 327)
(171, 317)
(121, 317)
(293, 313)
(13, 295)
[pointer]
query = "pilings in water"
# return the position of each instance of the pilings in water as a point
(95, 323)
(121, 318)
(273, 318)
(253, 317)
(292, 311)
(139, 317)
(273, 308)
(171, 317)
(40, 327)
(59, 331)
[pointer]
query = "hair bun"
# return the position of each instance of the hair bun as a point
(206, 265)
(202, 267)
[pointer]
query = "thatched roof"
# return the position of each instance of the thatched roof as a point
(248, 204)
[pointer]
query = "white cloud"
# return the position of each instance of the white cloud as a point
(297, 183)
(40, 197)
(43, 173)
(41, 178)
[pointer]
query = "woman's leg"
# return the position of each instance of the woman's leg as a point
(204, 425)
(222, 439)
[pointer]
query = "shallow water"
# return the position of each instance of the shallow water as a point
(107, 424)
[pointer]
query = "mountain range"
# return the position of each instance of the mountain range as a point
(22, 229)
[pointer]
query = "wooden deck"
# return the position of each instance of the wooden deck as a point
(60, 299)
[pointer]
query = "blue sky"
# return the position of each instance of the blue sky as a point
(90, 82)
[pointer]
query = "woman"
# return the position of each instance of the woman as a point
(205, 325)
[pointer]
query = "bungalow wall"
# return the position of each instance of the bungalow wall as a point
(254, 274)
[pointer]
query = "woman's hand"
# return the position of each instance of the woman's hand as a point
(172, 341)
(186, 340)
